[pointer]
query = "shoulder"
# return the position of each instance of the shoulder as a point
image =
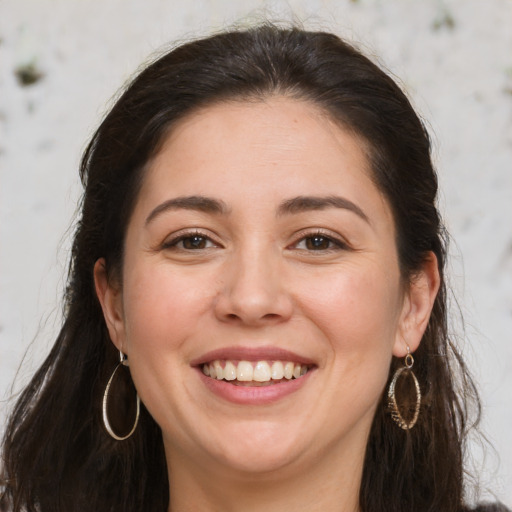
(488, 507)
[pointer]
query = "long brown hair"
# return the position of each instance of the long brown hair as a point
(57, 455)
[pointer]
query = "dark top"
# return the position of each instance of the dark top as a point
(489, 507)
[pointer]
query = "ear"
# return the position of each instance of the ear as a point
(110, 297)
(418, 302)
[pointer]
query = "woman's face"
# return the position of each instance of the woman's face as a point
(260, 245)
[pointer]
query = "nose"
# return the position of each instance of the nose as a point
(253, 291)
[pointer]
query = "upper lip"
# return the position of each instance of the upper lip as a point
(241, 353)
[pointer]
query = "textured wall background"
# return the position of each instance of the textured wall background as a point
(62, 60)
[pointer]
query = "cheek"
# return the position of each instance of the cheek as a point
(356, 312)
(163, 312)
(356, 307)
(162, 308)
(355, 315)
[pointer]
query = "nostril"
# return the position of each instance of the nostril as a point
(269, 317)
(246, 305)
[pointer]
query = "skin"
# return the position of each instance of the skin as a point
(258, 279)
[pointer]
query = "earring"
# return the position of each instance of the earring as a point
(122, 362)
(393, 406)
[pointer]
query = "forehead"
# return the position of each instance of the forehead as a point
(262, 149)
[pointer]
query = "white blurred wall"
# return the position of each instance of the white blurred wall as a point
(454, 59)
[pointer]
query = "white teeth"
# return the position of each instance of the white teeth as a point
(277, 370)
(219, 372)
(288, 370)
(229, 371)
(244, 371)
(259, 371)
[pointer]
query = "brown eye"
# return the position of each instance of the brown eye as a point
(194, 242)
(318, 243)
(189, 242)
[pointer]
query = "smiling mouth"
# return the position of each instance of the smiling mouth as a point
(254, 373)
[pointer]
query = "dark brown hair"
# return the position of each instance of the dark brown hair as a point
(57, 455)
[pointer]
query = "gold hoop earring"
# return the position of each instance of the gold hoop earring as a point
(122, 362)
(393, 406)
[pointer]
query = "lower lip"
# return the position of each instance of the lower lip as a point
(254, 395)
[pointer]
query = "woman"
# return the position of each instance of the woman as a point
(260, 254)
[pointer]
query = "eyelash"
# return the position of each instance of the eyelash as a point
(335, 244)
(173, 243)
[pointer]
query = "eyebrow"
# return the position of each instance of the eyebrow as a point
(289, 207)
(198, 203)
(307, 203)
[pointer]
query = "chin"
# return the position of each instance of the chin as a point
(259, 449)
(260, 462)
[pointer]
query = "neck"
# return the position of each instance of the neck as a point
(324, 487)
